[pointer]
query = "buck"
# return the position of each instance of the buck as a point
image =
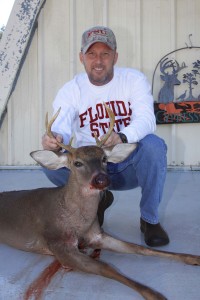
(56, 221)
(166, 94)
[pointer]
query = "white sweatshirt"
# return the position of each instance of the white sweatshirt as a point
(82, 112)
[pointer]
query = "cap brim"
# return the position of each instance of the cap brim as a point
(85, 49)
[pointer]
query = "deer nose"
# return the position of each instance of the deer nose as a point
(100, 181)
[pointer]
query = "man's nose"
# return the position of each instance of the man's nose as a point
(99, 58)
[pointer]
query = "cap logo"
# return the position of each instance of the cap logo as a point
(102, 32)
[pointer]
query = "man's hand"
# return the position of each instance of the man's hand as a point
(49, 143)
(113, 140)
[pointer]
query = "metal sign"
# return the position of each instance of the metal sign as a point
(178, 99)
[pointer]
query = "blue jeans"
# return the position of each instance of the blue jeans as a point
(145, 167)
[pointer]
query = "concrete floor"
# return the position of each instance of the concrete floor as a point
(179, 213)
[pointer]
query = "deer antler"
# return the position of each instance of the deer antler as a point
(178, 68)
(69, 148)
(50, 134)
(100, 143)
(173, 64)
(165, 64)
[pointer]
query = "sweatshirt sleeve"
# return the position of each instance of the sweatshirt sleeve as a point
(65, 120)
(143, 119)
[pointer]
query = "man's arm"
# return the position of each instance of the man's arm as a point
(143, 117)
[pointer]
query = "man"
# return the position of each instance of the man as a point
(128, 94)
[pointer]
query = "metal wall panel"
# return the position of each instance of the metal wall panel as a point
(145, 29)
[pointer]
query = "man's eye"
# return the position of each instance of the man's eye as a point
(78, 164)
(91, 54)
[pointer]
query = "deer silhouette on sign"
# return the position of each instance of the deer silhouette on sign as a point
(166, 94)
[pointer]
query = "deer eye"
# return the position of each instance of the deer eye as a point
(104, 159)
(78, 164)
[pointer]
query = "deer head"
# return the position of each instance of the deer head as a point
(173, 65)
(169, 69)
(93, 158)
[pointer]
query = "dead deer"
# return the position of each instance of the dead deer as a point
(55, 221)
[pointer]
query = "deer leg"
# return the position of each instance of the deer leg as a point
(109, 243)
(80, 262)
(106, 201)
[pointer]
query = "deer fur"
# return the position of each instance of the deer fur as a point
(55, 221)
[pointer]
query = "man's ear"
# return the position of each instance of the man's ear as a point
(119, 152)
(81, 57)
(116, 57)
(50, 160)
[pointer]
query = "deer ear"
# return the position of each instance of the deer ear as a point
(119, 152)
(50, 159)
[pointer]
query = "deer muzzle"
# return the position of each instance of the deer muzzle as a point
(100, 181)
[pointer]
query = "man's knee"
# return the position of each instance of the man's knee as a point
(57, 177)
(153, 146)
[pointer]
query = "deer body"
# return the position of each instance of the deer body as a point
(57, 221)
(32, 216)
(28, 228)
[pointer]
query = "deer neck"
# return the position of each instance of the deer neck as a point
(81, 195)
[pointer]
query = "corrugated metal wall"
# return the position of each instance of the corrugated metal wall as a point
(145, 29)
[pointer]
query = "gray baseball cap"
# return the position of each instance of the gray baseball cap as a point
(98, 34)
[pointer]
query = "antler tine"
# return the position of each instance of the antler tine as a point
(100, 143)
(179, 68)
(49, 123)
(165, 64)
(50, 134)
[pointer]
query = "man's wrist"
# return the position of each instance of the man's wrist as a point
(123, 137)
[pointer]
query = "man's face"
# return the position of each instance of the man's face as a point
(99, 61)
